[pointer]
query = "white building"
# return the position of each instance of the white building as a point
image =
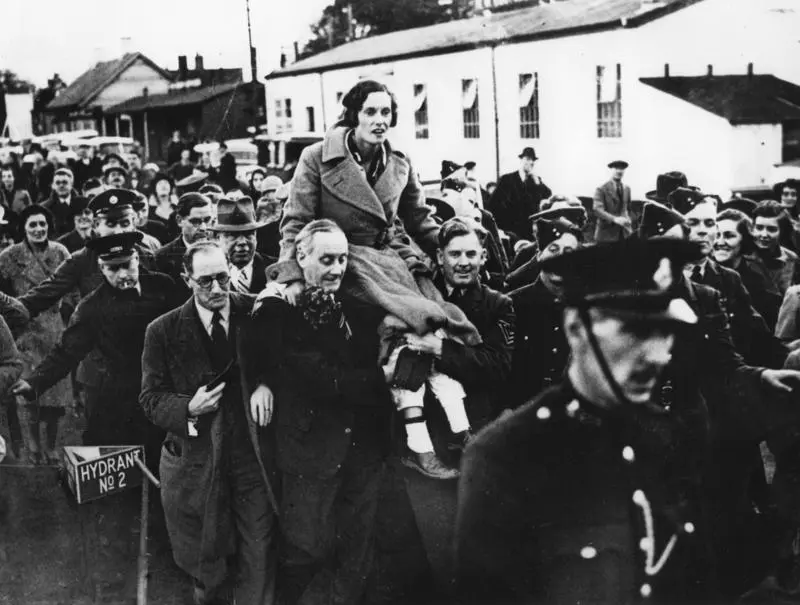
(567, 78)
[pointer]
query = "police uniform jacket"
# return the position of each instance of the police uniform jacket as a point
(110, 324)
(329, 391)
(556, 500)
(540, 348)
(176, 362)
(751, 336)
(79, 272)
(482, 369)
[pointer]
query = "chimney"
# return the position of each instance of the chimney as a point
(284, 58)
(145, 92)
(666, 70)
(198, 62)
(710, 71)
(296, 50)
(182, 66)
(750, 70)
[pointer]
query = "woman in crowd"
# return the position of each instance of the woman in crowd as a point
(734, 248)
(256, 181)
(163, 200)
(12, 196)
(23, 266)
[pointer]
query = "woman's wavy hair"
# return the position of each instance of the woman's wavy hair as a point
(354, 100)
(744, 225)
(34, 210)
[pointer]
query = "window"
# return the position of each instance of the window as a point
(470, 107)
(421, 111)
(283, 115)
(529, 106)
(310, 119)
(609, 101)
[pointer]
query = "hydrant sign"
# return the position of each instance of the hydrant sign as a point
(97, 471)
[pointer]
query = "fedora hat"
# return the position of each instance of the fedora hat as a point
(666, 183)
(238, 215)
(528, 152)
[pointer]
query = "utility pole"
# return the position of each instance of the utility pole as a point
(253, 68)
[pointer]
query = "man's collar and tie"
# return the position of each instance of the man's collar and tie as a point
(210, 319)
(696, 272)
(242, 278)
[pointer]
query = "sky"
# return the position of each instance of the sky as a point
(43, 37)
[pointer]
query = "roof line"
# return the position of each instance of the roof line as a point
(118, 72)
(228, 88)
(635, 21)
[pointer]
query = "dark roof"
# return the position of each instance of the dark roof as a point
(209, 76)
(740, 99)
(91, 82)
(550, 20)
(191, 96)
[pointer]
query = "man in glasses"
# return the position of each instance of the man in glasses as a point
(60, 201)
(109, 325)
(195, 219)
(216, 492)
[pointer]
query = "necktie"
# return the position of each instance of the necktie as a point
(697, 274)
(240, 282)
(619, 191)
(219, 340)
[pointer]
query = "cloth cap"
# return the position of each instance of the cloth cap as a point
(618, 164)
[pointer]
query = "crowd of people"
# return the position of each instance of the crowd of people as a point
(610, 382)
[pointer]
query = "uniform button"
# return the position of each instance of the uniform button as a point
(525, 338)
(646, 590)
(588, 552)
(628, 453)
(573, 407)
(348, 430)
(705, 336)
(555, 349)
(543, 413)
(688, 527)
(556, 329)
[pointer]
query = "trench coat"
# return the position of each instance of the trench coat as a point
(175, 364)
(329, 183)
(21, 270)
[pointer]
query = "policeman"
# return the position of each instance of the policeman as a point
(110, 323)
(540, 350)
(588, 494)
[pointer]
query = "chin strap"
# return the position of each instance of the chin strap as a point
(586, 318)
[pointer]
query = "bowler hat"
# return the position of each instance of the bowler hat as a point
(528, 152)
(234, 216)
(666, 183)
(634, 275)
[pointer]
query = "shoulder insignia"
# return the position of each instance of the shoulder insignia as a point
(507, 329)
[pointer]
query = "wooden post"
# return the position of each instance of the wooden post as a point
(146, 139)
(141, 584)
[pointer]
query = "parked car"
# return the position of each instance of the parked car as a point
(243, 151)
(125, 147)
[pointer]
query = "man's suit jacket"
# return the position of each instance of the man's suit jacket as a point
(175, 363)
(258, 281)
(62, 214)
(607, 198)
(169, 261)
(513, 202)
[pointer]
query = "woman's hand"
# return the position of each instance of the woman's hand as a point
(261, 405)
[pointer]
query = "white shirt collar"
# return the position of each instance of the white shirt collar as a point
(207, 316)
(687, 271)
(247, 270)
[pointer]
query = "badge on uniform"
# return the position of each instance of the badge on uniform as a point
(507, 330)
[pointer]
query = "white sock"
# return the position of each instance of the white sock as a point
(451, 395)
(418, 439)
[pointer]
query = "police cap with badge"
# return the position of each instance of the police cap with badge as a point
(113, 202)
(630, 276)
(115, 248)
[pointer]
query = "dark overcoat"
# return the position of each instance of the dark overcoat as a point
(514, 201)
(329, 183)
(323, 383)
(175, 364)
(169, 261)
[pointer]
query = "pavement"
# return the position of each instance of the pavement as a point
(54, 551)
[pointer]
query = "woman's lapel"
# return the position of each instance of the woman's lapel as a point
(347, 183)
